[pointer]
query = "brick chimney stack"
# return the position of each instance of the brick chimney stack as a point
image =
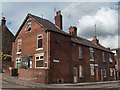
(95, 40)
(73, 31)
(3, 21)
(58, 19)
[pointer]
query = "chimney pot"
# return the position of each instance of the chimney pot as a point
(3, 21)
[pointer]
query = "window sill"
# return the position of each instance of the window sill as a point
(39, 49)
(41, 67)
(92, 60)
(18, 52)
(81, 77)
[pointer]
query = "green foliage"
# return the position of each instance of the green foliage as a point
(4, 56)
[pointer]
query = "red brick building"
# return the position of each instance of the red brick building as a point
(117, 65)
(44, 53)
(6, 40)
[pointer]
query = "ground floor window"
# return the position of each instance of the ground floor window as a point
(26, 62)
(92, 69)
(18, 63)
(39, 60)
(111, 72)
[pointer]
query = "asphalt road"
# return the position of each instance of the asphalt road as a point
(7, 85)
(13, 86)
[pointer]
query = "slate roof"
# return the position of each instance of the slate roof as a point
(49, 26)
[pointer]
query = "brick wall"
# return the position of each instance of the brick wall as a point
(36, 75)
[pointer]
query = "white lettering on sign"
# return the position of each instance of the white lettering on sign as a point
(56, 61)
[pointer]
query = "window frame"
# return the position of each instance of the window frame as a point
(110, 58)
(28, 26)
(80, 50)
(39, 55)
(111, 72)
(91, 51)
(38, 41)
(92, 69)
(16, 63)
(19, 46)
(103, 56)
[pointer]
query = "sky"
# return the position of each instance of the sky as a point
(83, 15)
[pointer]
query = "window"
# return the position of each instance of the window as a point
(80, 71)
(80, 52)
(39, 41)
(110, 58)
(18, 63)
(39, 60)
(91, 54)
(92, 69)
(111, 72)
(28, 26)
(27, 62)
(19, 45)
(103, 56)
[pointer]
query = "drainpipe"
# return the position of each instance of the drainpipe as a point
(47, 49)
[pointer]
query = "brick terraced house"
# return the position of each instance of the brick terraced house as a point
(44, 53)
(117, 66)
(6, 40)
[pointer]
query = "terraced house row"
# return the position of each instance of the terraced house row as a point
(43, 52)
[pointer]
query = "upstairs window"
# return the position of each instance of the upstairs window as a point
(91, 54)
(80, 52)
(28, 26)
(103, 56)
(39, 41)
(19, 49)
(110, 58)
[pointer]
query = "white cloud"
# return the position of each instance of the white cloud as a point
(106, 21)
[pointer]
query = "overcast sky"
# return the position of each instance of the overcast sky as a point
(83, 15)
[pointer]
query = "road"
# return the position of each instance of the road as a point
(112, 86)
(7, 85)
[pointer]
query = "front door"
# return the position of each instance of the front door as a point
(75, 75)
(97, 77)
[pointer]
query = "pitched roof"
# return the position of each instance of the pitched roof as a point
(49, 26)
(46, 24)
(86, 42)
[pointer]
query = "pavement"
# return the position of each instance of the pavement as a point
(16, 80)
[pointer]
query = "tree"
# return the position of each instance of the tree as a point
(4, 56)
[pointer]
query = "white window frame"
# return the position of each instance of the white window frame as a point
(92, 69)
(19, 61)
(103, 56)
(28, 25)
(37, 42)
(80, 52)
(110, 58)
(111, 72)
(39, 55)
(19, 44)
(91, 50)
